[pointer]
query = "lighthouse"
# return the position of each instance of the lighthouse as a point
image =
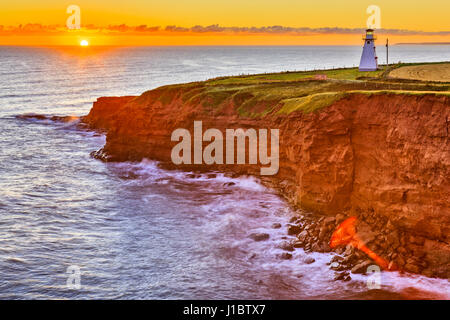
(369, 59)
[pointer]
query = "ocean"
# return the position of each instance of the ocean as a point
(134, 230)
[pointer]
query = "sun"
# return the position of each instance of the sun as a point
(84, 43)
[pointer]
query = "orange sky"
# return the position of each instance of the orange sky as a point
(426, 18)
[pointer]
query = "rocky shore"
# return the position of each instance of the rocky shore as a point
(383, 158)
(313, 233)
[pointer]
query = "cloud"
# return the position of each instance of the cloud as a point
(124, 28)
(176, 29)
(36, 28)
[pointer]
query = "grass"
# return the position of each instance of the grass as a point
(311, 102)
(404, 92)
(287, 92)
(338, 74)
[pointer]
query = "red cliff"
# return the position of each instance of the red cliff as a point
(383, 157)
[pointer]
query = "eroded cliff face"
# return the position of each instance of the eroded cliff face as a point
(382, 157)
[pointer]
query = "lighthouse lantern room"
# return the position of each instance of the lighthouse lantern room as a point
(369, 59)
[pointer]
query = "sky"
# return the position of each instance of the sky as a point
(236, 21)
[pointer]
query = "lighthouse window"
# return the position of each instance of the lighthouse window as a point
(368, 42)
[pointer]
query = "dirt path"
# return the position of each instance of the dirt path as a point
(429, 72)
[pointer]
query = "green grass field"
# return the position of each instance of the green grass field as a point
(286, 92)
(338, 74)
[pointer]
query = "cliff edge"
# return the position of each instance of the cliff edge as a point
(347, 148)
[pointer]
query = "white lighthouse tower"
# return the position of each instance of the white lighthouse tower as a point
(369, 59)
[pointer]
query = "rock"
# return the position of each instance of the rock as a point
(383, 245)
(309, 260)
(401, 250)
(417, 250)
(400, 261)
(336, 259)
(337, 267)
(393, 239)
(403, 240)
(339, 218)
(316, 247)
(293, 230)
(259, 236)
(441, 272)
(284, 183)
(333, 264)
(438, 254)
(329, 220)
(411, 260)
(211, 176)
(286, 256)
(276, 226)
(301, 219)
(229, 184)
(32, 116)
(349, 250)
(340, 276)
(325, 248)
(285, 245)
(297, 244)
(390, 226)
(392, 266)
(428, 273)
(423, 264)
(323, 233)
(417, 240)
(359, 254)
(350, 259)
(100, 155)
(362, 267)
(365, 233)
(412, 268)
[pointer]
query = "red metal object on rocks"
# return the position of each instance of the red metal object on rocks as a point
(346, 234)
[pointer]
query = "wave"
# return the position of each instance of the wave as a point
(227, 210)
(234, 208)
(46, 118)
